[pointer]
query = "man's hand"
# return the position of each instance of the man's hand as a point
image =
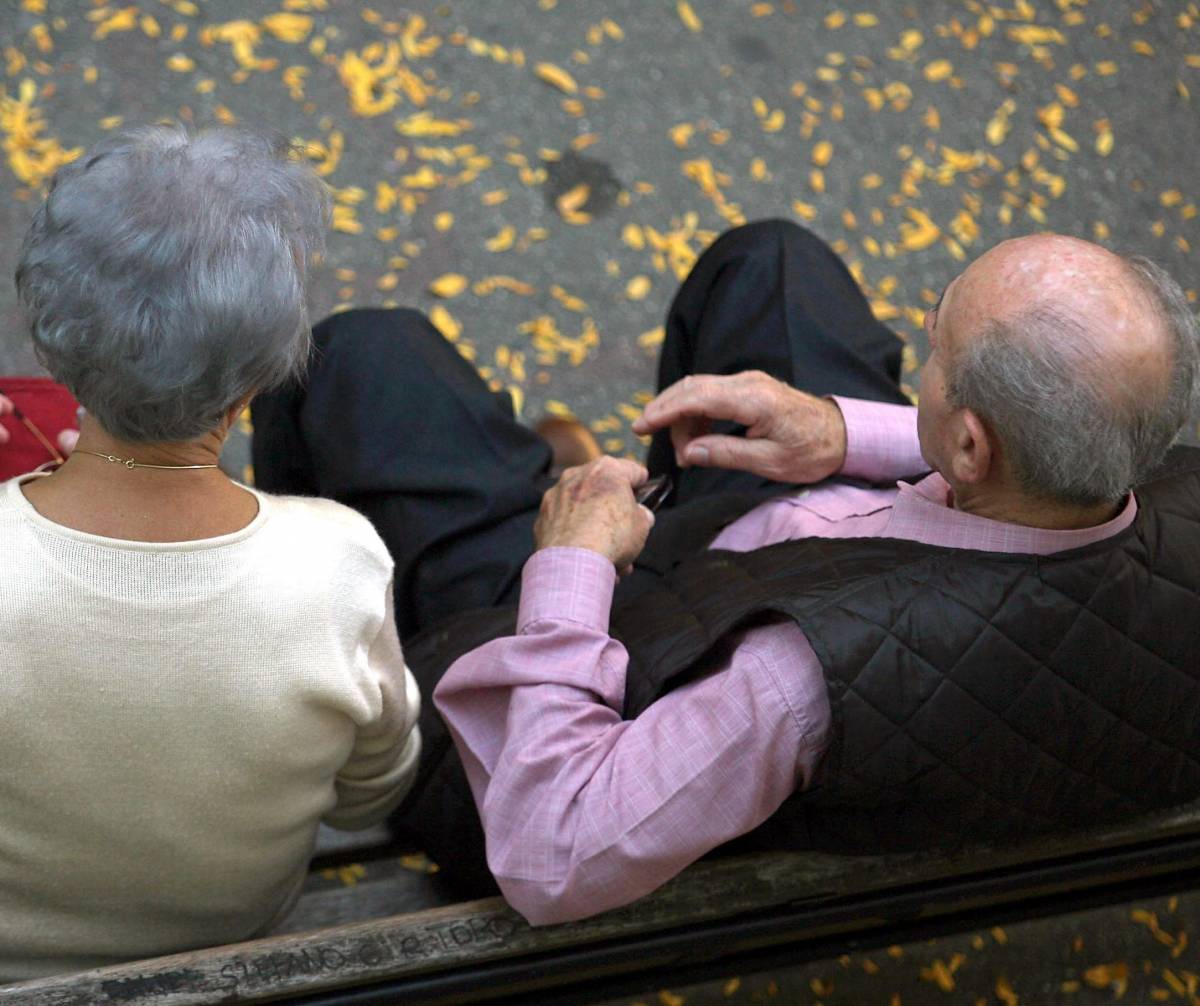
(593, 507)
(791, 436)
(6, 408)
(67, 439)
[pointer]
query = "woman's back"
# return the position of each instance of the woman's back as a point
(175, 720)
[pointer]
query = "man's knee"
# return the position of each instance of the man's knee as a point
(766, 239)
(370, 327)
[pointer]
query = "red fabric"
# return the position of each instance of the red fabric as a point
(49, 406)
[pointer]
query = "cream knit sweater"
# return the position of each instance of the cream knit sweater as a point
(175, 720)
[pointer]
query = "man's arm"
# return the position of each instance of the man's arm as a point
(791, 436)
(584, 811)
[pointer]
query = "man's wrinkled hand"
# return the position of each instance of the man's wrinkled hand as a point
(6, 407)
(593, 507)
(791, 436)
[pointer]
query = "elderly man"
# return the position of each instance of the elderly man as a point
(1001, 647)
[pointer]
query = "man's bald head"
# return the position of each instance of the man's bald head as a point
(1109, 321)
(1080, 361)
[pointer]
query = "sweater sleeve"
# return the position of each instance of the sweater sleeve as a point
(383, 763)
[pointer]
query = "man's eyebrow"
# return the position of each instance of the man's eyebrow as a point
(938, 306)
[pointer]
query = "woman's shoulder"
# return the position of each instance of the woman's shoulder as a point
(312, 520)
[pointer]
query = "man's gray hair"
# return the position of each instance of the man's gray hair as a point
(1068, 438)
(165, 275)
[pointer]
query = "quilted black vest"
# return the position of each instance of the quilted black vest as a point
(975, 695)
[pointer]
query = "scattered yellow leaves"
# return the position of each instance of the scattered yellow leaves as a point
(32, 157)
(549, 343)
(702, 172)
(123, 20)
(1114, 976)
(941, 973)
(326, 155)
(375, 79)
(919, 232)
(241, 36)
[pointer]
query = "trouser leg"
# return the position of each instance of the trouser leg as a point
(772, 296)
(392, 421)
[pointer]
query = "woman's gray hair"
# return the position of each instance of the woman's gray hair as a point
(1069, 439)
(165, 276)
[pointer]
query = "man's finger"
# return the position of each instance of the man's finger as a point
(709, 395)
(628, 470)
(738, 453)
(684, 432)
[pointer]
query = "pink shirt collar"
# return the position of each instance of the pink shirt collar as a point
(922, 512)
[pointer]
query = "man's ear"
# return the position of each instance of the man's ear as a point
(973, 448)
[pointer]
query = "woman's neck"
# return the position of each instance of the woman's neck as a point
(102, 497)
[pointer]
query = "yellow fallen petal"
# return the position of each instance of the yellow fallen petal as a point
(180, 63)
(288, 27)
(449, 285)
(652, 339)
(688, 16)
(573, 199)
(443, 221)
(557, 77)
(503, 240)
(822, 153)
(939, 69)
(445, 323)
(637, 288)
(632, 235)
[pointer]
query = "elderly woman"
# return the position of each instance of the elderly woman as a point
(193, 674)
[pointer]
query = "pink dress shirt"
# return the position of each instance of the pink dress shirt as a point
(585, 811)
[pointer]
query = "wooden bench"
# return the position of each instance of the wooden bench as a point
(365, 944)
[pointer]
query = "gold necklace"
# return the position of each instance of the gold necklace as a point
(131, 464)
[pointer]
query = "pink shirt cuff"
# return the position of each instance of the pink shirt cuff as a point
(881, 440)
(567, 584)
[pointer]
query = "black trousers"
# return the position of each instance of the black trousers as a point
(390, 420)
